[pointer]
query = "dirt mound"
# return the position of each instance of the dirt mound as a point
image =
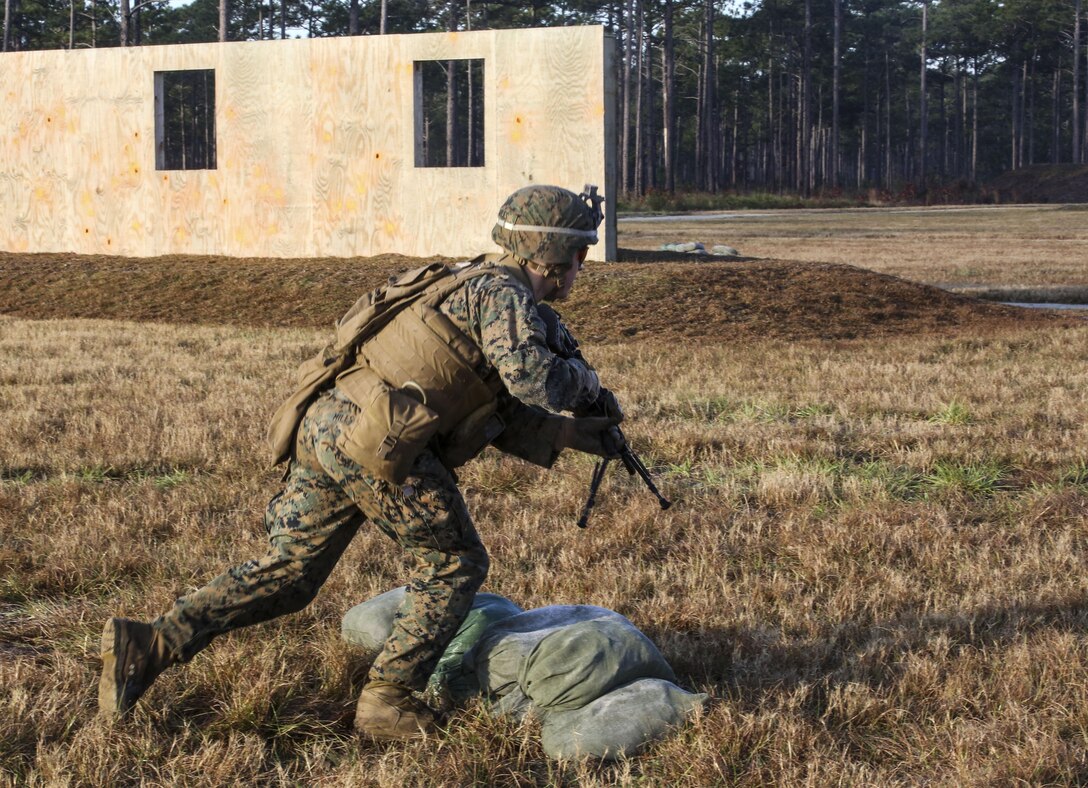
(1047, 183)
(672, 301)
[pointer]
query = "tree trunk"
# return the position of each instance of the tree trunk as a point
(209, 140)
(283, 19)
(353, 18)
(453, 131)
(224, 18)
(1031, 110)
(1055, 116)
(780, 130)
(668, 88)
(639, 88)
(1076, 83)
(733, 142)
(1014, 117)
(7, 25)
(711, 103)
(836, 83)
(958, 120)
(470, 132)
(974, 123)
(804, 132)
(772, 152)
(945, 131)
(876, 170)
(887, 122)
(123, 19)
(650, 135)
(625, 143)
(923, 109)
(1084, 116)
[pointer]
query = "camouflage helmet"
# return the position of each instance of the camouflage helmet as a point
(546, 224)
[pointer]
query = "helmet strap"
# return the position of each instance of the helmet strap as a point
(560, 274)
(553, 273)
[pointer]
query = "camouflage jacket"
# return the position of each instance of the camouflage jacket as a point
(501, 319)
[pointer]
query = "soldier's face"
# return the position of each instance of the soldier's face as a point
(578, 259)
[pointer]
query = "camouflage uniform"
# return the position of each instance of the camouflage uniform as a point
(328, 496)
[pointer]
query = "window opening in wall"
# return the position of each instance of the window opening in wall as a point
(449, 116)
(185, 120)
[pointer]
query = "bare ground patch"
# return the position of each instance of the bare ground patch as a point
(653, 296)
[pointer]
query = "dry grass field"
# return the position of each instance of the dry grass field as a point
(876, 564)
(1010, 246)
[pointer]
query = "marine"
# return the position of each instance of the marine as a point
(422, 376)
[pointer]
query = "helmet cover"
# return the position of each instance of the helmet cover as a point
(547, 224)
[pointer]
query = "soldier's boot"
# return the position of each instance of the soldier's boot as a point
(390, 711)
(133, 655)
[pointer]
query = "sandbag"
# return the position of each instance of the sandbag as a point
(572, 666)
(459, 683)
(370, 623)
(498, 657)
(515, 705)
(619, 723)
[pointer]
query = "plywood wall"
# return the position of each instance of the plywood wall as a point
(315, 146)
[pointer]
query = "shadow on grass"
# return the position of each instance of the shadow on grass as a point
(745, 664)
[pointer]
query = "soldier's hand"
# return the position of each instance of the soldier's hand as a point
(597, 435)
(588, 382)
(605, 405)
(609, 406)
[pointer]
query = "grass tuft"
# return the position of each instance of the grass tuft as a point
(976, 480)
(1075, 475)
(954, 413)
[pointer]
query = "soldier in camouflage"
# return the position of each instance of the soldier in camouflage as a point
(328, 495)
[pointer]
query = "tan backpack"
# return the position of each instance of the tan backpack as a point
(369, 315)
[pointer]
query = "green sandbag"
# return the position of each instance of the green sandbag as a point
(577, 664)
(498, 658)
(619, 723)
(460, 683)
(370, 623)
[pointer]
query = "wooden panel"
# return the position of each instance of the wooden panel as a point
(264, 113)
(315, 145)
(607, 249)
(551, 110)
(188, 204)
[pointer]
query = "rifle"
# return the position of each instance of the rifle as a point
(563, 344)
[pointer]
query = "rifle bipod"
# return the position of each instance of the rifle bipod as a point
(634, 466)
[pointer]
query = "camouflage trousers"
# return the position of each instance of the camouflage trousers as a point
(326, 498)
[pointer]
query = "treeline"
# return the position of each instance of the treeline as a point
(804, 96)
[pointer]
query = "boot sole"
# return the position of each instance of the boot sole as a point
(387, 737)
(108, 687)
